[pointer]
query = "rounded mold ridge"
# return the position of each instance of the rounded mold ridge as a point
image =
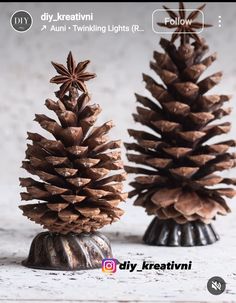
(55, 251)
(170, 233)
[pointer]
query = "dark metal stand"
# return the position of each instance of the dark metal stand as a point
(170, 233)
(54, 251)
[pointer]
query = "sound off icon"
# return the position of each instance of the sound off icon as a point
(216, 285)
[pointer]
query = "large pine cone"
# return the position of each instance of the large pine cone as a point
(182, 181)
(80, 193)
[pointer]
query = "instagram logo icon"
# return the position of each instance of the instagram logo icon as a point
(109, 266)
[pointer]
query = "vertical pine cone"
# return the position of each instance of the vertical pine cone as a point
(178, 168)
(77, 192)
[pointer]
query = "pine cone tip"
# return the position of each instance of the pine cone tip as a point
(73, 75)
(185, 30)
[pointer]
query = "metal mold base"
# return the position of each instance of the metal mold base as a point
(170, 233)
(53, 251)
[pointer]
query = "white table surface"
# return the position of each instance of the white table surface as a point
(21, 284)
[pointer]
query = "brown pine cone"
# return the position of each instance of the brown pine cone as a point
(178, 177)
(77, 191)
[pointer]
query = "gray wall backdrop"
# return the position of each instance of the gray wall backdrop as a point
(118, 60)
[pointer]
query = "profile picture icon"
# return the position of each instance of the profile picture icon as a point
(109, 266)
(21, 21)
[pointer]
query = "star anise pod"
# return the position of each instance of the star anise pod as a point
(187, 29)
(72, 76)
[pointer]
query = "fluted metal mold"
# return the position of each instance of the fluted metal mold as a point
(53, 251)
(170, 233)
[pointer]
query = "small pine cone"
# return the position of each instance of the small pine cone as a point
(178, 176)
(77, 191)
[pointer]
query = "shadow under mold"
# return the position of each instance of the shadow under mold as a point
(10, 259)
(124, 238)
